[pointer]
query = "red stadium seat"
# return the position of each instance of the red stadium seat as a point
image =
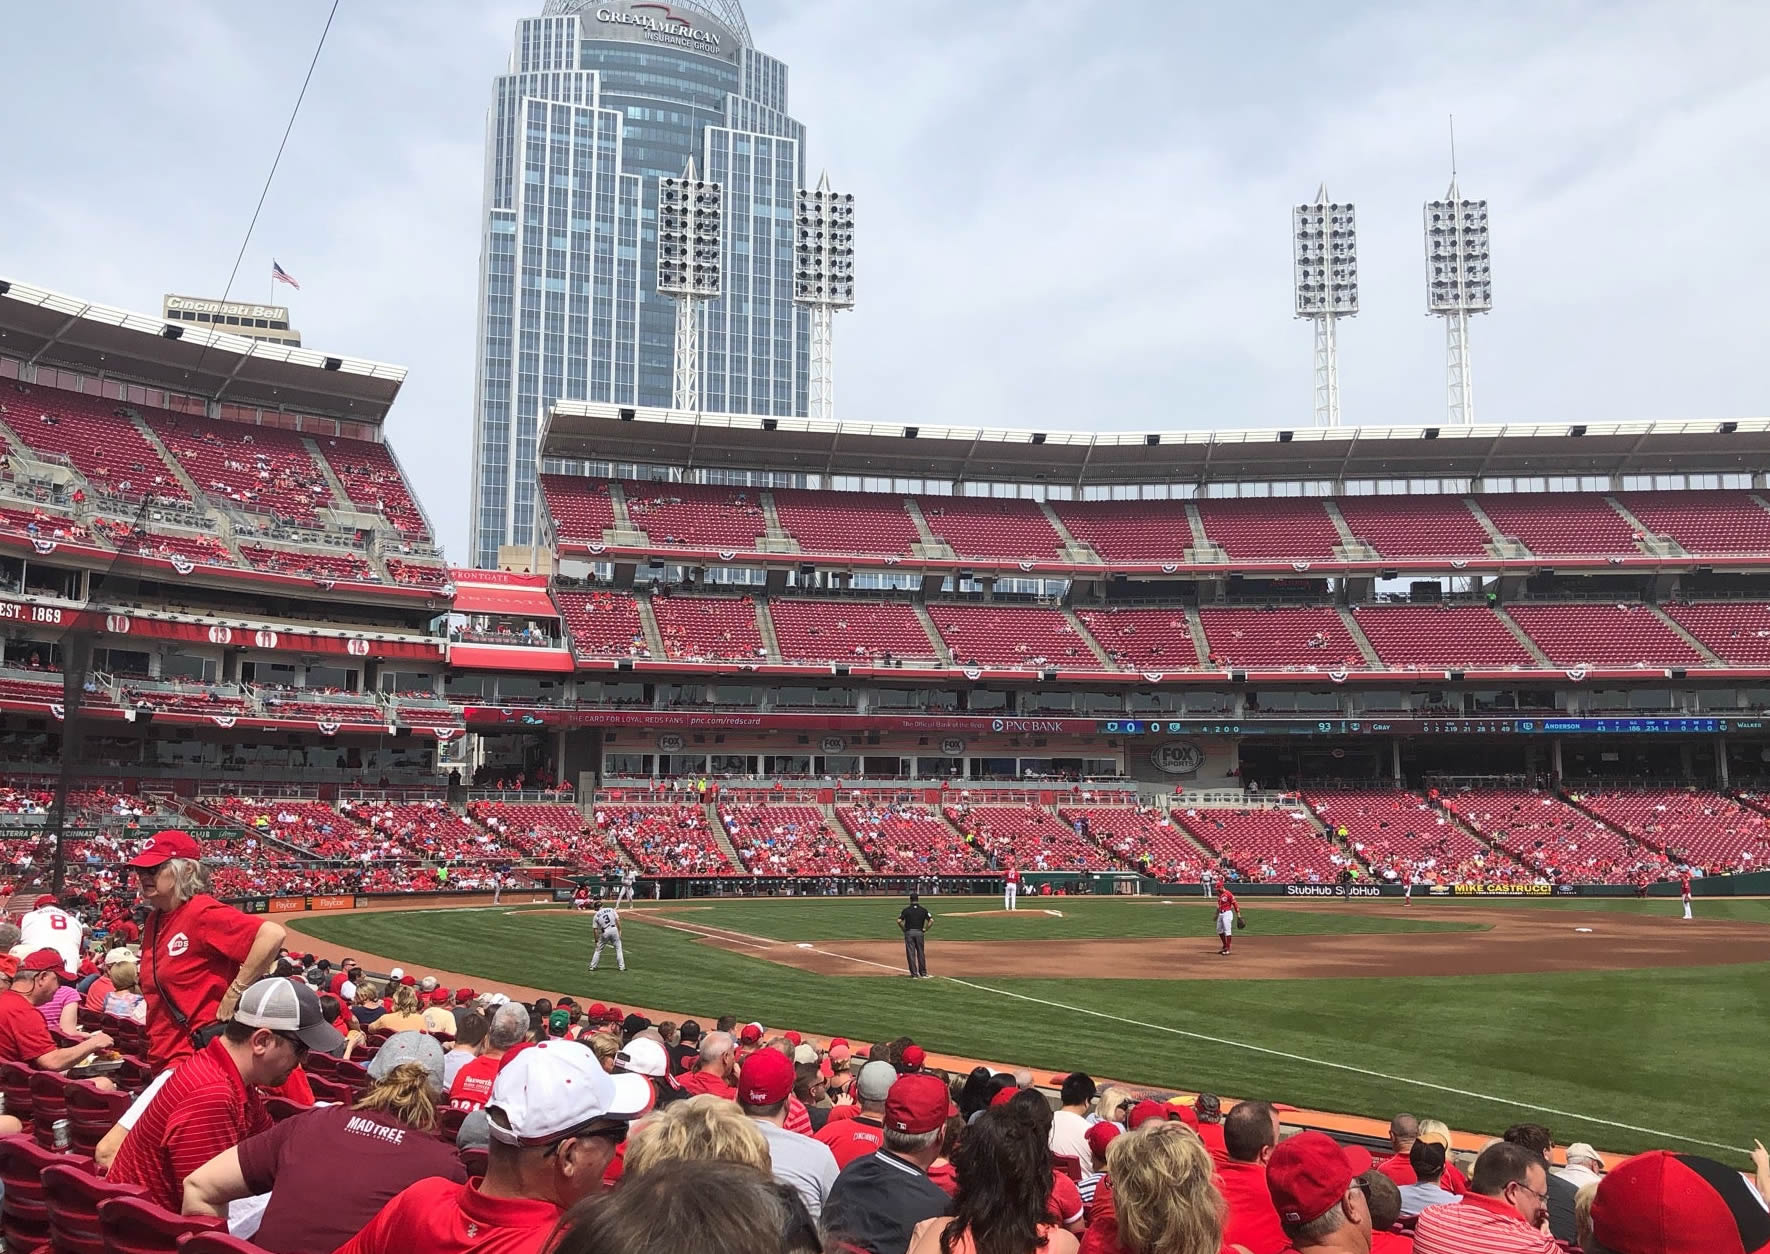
(216, 1243)
(73, 1197)
(48, 1104)
(134, 1225)
(24, 1212)
(991, 527)
(92, 1112)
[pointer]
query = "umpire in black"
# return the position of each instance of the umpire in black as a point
(914, 922)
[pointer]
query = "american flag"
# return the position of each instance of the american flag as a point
(283, 276)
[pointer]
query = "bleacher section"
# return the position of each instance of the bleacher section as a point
(860, 632)
(1285, 636)
(373, 482)
(1400, 835)
(1129, 531)
(1602, 635)
(1554, 838)
(1272, 527)
(1703, 829)
(1704, 521)
(582, 509)
(983, 527)
(95, 436)
(703, 629)
(200, 550)
(1266, 845)
(1737, 632)
(908, 839)
(544, 831)
(786, 840)
(602, 624)
(1560, 524)
(1143, 639)
(333, 564)
(664, 839)
(262, 469)
(1415, 526)
(696, 515)
(1143, 837)
(1011, 635)
(1451, 636)
(846, 522)
(1033, 838)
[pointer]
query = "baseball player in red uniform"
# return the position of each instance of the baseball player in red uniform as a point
(1228, 915)
(1684, 886)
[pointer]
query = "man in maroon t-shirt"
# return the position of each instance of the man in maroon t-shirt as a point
(1249, 1135)
(863, 1133)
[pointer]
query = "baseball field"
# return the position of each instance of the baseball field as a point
(1615, 1022)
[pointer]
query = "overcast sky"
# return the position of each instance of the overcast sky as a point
(1071, 216)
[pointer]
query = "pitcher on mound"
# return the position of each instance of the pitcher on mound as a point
(1228, 915)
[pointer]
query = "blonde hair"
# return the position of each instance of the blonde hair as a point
(1582, 1216)
(1162, 1185)
(605, 1045)
(1108, 1103)
(367, 993)
(405, 1001)
(124, 976)
(705, 1128)
(1435, 1131)
(407, 1095)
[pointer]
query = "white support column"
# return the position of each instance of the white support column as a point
(1327, 374)
(823, 352)
(686, 395)
(1459, 369)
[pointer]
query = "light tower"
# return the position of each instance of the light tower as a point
(1457, 285)
(1324, 248)
(691, 239)
(823, 279)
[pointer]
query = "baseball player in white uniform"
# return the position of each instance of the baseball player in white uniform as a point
(48, 926)
(607, 922)
(629, 877)
(1010, 888)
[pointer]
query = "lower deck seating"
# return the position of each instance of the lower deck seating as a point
(786, 840)
(546, 831)
(908, 839)
(1266, 845)
(1701, 829)
(664, 839)
(1737, 632)
(1555, 839)
(707, 629)
(1143, 837)
(1030, 837)
(430, 829)
(1401, 836)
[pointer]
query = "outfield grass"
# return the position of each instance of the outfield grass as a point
(1668, 1051)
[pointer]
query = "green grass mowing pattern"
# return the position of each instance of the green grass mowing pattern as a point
(1668, 1050)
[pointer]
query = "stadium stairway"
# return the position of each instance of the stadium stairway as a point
(1500, 853)
(775, 539)
(1542, 659)
(1351, 547)
(654, 639)
(840, 828)
(1200, 641)
(765, 626)
(716, 825)
(334, 484)
(1073, 550)
(178, 471)
(1201, 543)
(1707, 654)
(1606, 821)
(1100, 655)
(1358, 637)
(934, 637)
(1658, 544)
(932, 546)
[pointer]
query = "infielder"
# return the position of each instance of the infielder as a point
(629, 877)
(1010, 888)
(1228, 915)
(1684, 887)
(607, 922)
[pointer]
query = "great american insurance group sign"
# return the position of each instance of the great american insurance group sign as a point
(658, 23)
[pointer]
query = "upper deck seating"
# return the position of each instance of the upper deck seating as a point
(1282, 636)
(846, 522)
(95, 435)
(1704, 521)
(1143, 639)
(696, 515)
(849, 631)
(1012, 635)
(1560, 524)
(1415, 526)
(1269, 528)
(986, 527)
(264, 469)
(581, 508)
(1129, 531)
(1449, 636)
(1602, 635)
(373, 482)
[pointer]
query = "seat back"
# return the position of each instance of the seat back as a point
(24, 1215)
(281, 1108)
(134, 1225)
(15, 1085)
(325, 1090)
(73, 1198)
(92, 1112)
(1068, 1164)
(216, 1243)
(450, 1123)
(48, 1104)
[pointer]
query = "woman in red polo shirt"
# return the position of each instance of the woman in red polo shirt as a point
(197, 955)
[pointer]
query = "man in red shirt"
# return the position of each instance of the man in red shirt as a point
(198, 956)
(556, 1117)
(1249, 1135)
(1505, 1211)
(1404, 1130)
(24, 1036)
(862, 1133)
(1228, 915)
(473, 1082)
(1209, 1108)
(1317, 1197)
(208, 1104)
(717, 1069)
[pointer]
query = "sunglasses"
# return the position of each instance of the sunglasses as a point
(614, 1133)
(300, 1046)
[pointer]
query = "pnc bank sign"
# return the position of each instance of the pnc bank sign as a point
(658, 20)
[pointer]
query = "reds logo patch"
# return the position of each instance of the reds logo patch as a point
(182, 564)
(221, 635)
(178, 945)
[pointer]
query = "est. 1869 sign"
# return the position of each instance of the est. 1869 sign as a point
(1177, 757)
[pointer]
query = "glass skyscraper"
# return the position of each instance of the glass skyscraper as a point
(600, 100)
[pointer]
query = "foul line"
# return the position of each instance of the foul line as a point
(762, 942)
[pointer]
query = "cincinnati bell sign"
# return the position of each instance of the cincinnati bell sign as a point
(656, 21)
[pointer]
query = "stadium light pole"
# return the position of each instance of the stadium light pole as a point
(823, 279)
(1324, 251)
(691, 243)
(1458, 284)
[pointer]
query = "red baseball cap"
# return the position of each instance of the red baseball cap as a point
(45, 960)
(751, 1034)
(1307, 1176)
(839, 1040)
(765, 1078)
(465, 994)
(1358, 1158)
(1003, 1097)
(47, 899)
(793, 1038)
(1666, 1203)
(597, 1010)
(1148, 1109)
(914, 1055)
(1099, 1136)
(917, 1104)
(613, 1014)
(165, 846)
(1184, 1113)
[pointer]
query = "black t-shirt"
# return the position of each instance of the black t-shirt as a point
(684, 1058)
(877, 1201)
(914, 919)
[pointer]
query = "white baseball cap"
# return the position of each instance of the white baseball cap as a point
(548, 1090)
(396, 973)
(643, 1056)
(287, 1007)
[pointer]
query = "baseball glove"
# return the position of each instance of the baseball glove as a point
(1240, 922)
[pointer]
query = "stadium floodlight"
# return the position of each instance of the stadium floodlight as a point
(1324, 250)
(1458, 284)
(691, 244)
(823, 279)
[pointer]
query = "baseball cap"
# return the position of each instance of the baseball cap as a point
(839, 1040)
(914, 1055)
(916, 1104)
(47, 899)
(1148, 1109)
(1666, 1203)
(597, 1010)
(840, 1053)
(875, 1081)
(751, 1034)
(1307, 1176)
(632, 1025)
(1098, 1137)
(1579, 1149)
(793, 1038)
(290, 1008)
(804, 1054)
(1358, 1158)
(559, 1020)
(404, 1047)
(1184, 1113)
(398, 973)
(642, 1056)
(45, 960)
(612, 1014)
(407, 981)
(465, 994)
(122, 953)
(557, 1087)
(765, 1078)
(164, 846)
(1002, 1097)
(439, 997)
(427, 984)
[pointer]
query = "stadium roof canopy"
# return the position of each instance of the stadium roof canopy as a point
(578, 430)
(45, 327)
